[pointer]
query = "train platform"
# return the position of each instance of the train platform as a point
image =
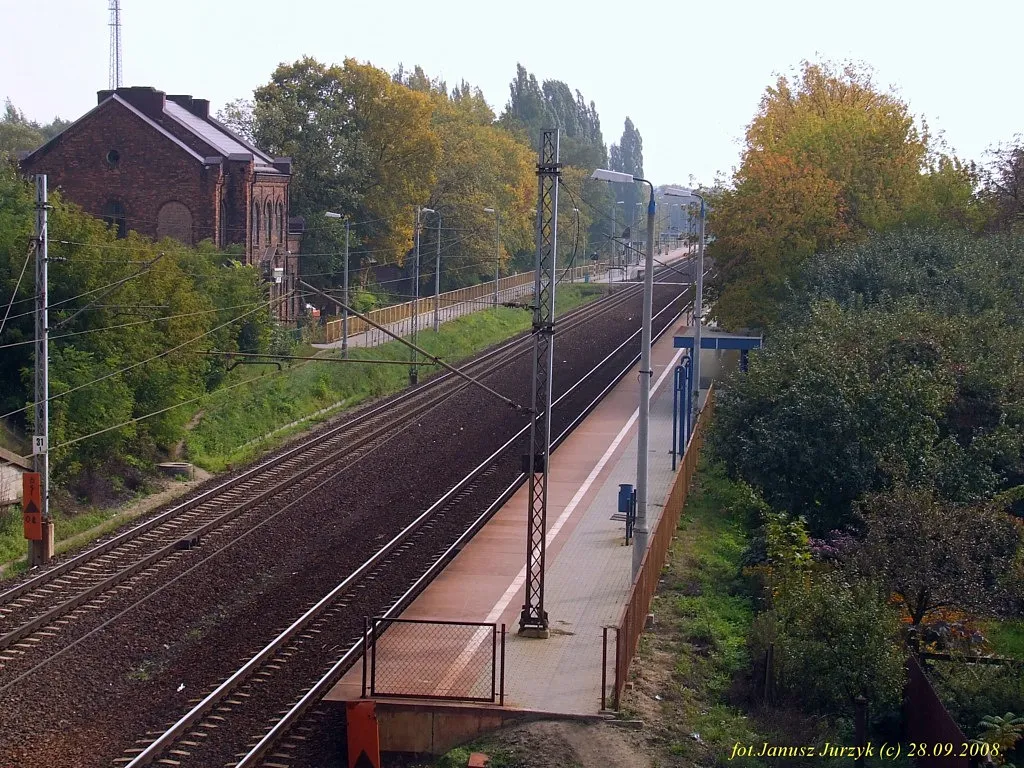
(588, 574)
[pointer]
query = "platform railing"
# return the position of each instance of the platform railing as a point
(634, 615)
(428, 659)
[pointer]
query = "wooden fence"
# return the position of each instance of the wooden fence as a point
(927, 721)
(634, 615)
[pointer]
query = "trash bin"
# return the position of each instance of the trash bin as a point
(625, 498)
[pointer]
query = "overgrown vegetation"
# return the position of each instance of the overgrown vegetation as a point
(127, 319)
(881, 428)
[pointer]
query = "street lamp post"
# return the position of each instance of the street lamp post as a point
(344, 289)
(437, 276)
(572, 262)
(615, 244)
(640, 526)
(643, 422)
(413, 371)
(497, 252)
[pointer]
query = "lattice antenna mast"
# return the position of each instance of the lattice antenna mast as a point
(534, 619)
(115, 43)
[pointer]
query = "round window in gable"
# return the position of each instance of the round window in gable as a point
(113, 158)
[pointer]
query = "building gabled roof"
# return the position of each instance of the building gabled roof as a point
(138, 113)
(186, 122)
(217, 136)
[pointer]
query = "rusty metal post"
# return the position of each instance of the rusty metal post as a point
(366, 648)
(604, 666)
(501, 695)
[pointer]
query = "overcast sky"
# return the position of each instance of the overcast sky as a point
(689, 74)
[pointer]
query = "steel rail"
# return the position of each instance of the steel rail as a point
(279, 730)
(92, 553)
(203, 707)
(138, 566)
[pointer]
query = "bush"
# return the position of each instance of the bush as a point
(973, 691)
(833, 641)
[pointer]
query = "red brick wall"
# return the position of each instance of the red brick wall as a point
(151, 170)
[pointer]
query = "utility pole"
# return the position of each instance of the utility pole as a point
(698, 311)
(413, 373)
(497, 252)
(41, 551)
(646, 373)
(533, 621)
(437, 275)
(344, 290)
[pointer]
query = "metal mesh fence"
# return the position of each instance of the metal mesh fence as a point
(416, 658)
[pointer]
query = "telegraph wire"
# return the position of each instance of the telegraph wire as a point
(268, 305)
(136, 322)
(28, 257)
(86, 293)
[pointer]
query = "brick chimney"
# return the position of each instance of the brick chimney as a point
(148, 100)
(198, 107)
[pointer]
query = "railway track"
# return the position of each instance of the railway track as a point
(54, 609)
(253, 717)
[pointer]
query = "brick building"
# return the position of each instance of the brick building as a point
(160, 165)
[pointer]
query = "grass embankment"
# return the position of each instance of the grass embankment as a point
(697, 649)
(235, 424)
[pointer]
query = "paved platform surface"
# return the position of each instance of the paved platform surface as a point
(588, 568)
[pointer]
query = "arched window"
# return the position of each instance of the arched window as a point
(113, 215)
(174, 219)
(280, 222)
(270, 221)
(255, 224)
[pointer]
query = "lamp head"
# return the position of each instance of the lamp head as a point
(488, 210)
(333, 215)
(603, 174)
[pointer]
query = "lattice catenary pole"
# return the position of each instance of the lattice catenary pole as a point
(115, 43)
(534, 619)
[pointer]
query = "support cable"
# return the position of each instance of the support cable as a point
(267, 305)
(418, 349)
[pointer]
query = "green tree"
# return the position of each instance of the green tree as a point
(933, 554)
(855, 400)
(119, 308)
(237, 115)
(481, 165)
(628, 157)
(1004, 185)
(834, 641)
(362, 145)
(17, 134)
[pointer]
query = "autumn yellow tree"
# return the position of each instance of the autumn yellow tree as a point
(480, 165)
(829, 157)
